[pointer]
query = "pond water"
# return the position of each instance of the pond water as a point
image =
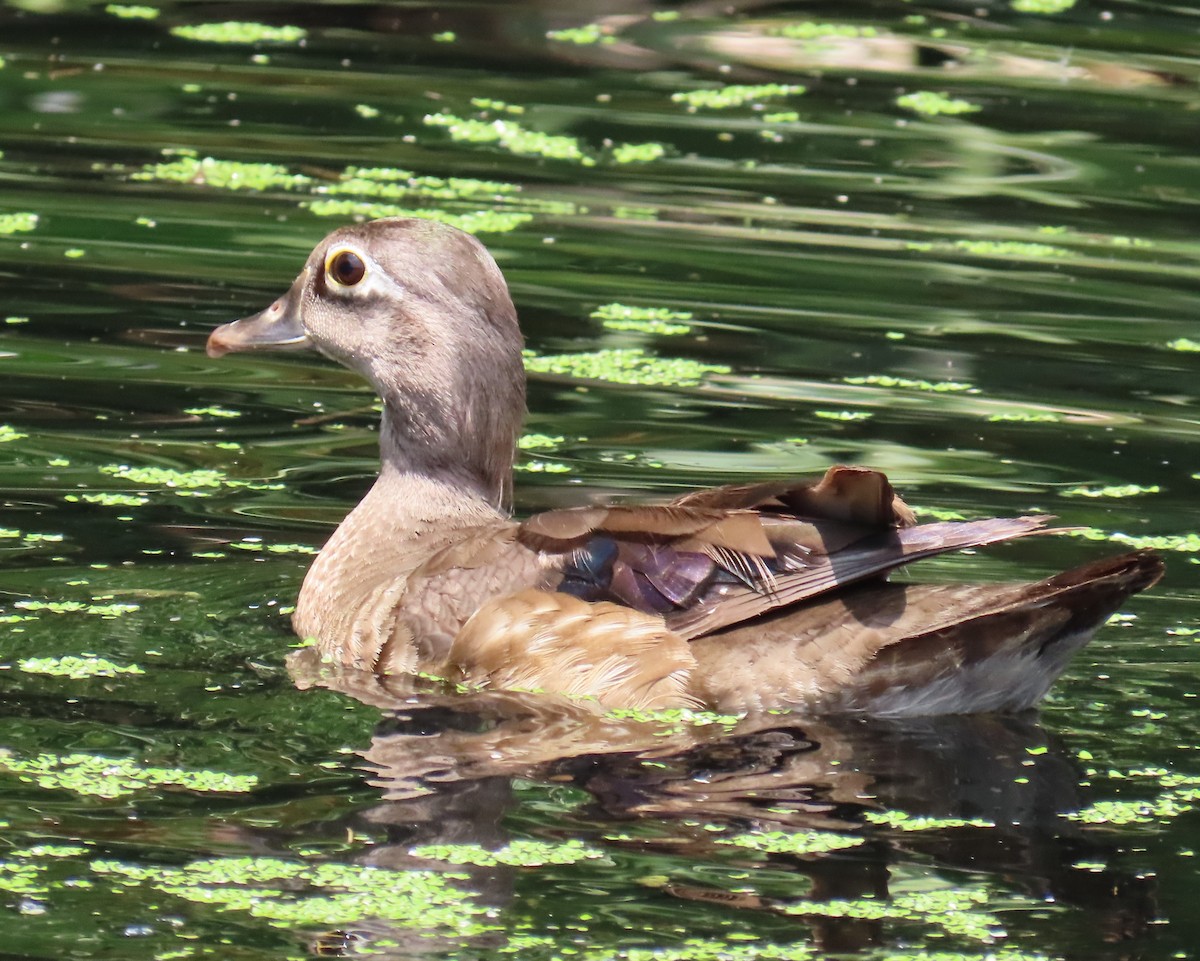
(956, 242)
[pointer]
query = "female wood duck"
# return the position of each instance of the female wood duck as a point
(739, 598)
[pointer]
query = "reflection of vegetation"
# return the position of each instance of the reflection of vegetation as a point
(239, 32)
(630, 365)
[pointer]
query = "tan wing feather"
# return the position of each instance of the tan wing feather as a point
(547, 641)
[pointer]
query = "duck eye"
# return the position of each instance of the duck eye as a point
(346, 268)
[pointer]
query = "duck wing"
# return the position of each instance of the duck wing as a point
(719, 557)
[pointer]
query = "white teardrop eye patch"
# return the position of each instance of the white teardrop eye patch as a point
(344, 267)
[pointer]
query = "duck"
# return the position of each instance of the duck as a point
(764, 596)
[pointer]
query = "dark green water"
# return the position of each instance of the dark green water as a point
(1038, 246)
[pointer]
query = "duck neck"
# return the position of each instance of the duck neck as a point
(412, 503)
(439, 468)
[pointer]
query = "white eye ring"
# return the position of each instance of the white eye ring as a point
(345, 267)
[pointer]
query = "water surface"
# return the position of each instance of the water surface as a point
(952, 241)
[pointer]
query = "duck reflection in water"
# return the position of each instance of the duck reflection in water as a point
(669, 791)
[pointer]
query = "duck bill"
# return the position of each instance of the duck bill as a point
(279, 327)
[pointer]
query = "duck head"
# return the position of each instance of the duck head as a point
(421, 310)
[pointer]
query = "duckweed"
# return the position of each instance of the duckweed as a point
(473, 222)
(17, 223)
(543, 467)
(735, 95)
(540, 441)
(954, 911)
(223, 174)
(817, 31)
(930, 104)
(1115, 491)
(383, 183)
(240, 32)
(107, 499)
(23, 878)
(1184, 344)
(192, 482)
(627, 153)
(902, 821)
(940, 513)
(629, 365)
(77, 668)
(792, 842)
(846, 415)
(109, 777)
(212, 412)
(677, 718)
(588, 34)
(131, 12)
(1011, 248)
(511, 136)
(519, 853)
(908, 383)
(9, 433)
(253, 544)
(660, 321)
(317, 894)
(1167, 805)
(1025, 417)
(1042, 6)
(1186, 543)
(77, 607)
